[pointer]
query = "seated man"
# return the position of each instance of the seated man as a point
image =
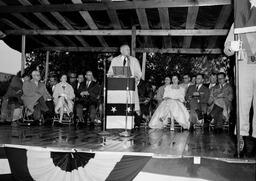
(34, 96)
(88, 94)
(220, 100)
(12, 98)
(197, 97)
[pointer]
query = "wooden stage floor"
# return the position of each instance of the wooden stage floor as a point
(163, 142)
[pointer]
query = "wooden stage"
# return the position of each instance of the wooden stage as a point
(163, 142)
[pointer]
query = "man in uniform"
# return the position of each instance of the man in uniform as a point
(247, 85)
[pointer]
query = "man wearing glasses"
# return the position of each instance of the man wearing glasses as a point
(186, 81)
(34, 96)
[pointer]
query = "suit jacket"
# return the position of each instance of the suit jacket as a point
(15, 88)
(144, 90)
(73, 84)
(222, 97)
(198, 102)
(76, 89)
(31, 93)
(160, 94)
(93, 90)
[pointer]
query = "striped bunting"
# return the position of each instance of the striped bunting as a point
(35, 163)
(5, 171)
(45, 165)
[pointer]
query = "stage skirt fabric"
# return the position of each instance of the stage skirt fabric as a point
(45, 164)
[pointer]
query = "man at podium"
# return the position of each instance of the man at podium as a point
(124, 65)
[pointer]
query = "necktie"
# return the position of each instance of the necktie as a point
(197, 87)
(78, 85)
(87, 84)
(124, 61)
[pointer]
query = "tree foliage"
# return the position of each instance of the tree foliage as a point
(158, 65)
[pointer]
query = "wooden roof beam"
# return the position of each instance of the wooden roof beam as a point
(165, 24)
(142, 16)
(31, 25)
(172, 32)
(88, 19)
(112, 5)
(140, 50)
(45, 20)
(64, 22)
(222, 19)
(190, 24)
(14, 26)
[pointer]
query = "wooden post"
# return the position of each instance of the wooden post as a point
(46, 66)
(133, 43)
(23, 53)
(144, 65)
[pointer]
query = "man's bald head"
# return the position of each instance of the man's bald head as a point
(125, 50)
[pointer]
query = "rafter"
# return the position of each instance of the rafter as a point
(143, 20)
(112, 5)
(165, 24)
(30, 24)
(190, 23)
(14, 26)
(222, 19)
(64, 22)
(88, 19)
(45, 20)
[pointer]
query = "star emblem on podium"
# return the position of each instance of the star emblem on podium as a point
(253, 3)
(113, 109)
(129, 109)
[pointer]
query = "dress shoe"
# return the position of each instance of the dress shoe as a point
(249, 146)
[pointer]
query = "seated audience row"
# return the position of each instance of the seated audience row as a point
(57, 98)
(209, 102)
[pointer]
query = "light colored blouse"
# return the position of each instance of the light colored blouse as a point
(174, 93)
(63, 89)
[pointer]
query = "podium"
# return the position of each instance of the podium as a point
(117, 97)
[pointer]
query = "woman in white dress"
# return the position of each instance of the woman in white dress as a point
(63, 95)
(171, 107)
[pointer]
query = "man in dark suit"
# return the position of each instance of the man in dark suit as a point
(72, 79)
(144, 91)
(88, 95)
(197, 97)
(80, 83)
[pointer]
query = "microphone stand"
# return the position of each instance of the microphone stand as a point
(104, 132)
(125, 133)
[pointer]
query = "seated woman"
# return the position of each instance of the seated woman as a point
(171, 107)
(63, 95)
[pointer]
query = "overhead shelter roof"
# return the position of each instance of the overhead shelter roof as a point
(174, 26)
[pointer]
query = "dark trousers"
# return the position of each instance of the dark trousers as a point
(39, 108)
(217, 115)
(91, 108)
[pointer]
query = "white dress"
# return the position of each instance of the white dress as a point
(171, 107)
